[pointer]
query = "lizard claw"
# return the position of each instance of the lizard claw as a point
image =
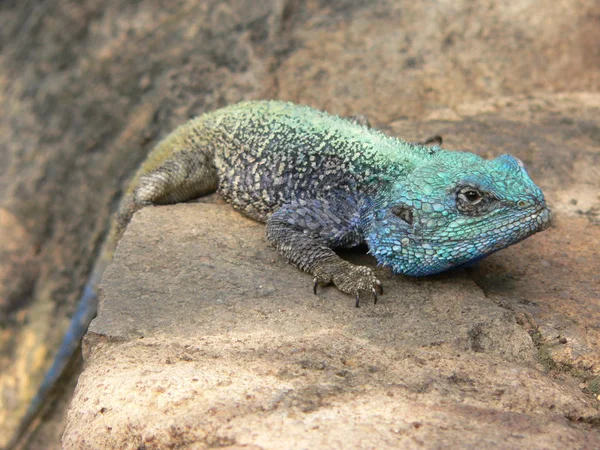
(379, 288)
(437, 140)
(349, 279)
(374, 292)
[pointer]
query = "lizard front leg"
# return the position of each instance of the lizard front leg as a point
(305, 232)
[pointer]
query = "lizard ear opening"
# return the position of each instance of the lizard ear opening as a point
(403, 212)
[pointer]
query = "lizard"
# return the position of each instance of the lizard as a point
(321, 182)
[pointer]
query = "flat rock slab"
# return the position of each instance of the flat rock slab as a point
(206, 337)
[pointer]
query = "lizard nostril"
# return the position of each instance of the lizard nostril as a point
(522, 203)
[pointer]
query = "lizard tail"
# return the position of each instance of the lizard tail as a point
(86, 311)
(87, 306)
(179, 168)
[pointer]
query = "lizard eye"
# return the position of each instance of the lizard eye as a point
(472, 196)
(469, 199)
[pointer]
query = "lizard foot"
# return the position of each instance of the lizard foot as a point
(348, 278)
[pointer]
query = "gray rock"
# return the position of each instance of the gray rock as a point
(206, 337)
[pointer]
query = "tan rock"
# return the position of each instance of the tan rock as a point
(206, 337)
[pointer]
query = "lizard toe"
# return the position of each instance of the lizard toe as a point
(349, 279)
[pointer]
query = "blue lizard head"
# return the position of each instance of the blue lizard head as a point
(454, 210)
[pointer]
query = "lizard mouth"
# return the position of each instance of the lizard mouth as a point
(522, 227)
(538, 220)
(514, 231)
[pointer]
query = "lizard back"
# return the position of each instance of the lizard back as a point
(268, 153)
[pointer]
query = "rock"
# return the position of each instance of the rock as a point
(206, 337)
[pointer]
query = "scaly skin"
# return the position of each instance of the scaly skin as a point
(322, 182)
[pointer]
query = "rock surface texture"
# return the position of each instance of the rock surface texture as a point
(189, 349)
